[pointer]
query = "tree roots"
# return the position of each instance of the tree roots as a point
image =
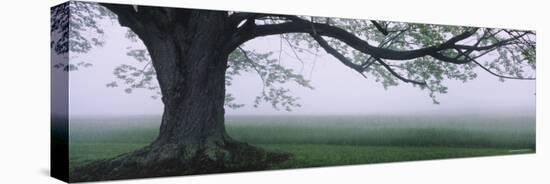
(179, 159)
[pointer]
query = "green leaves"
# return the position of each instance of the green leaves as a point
(85, 29)
(131, 77)
(501, 52)
(514, 57)
(75, 29)
(272, 74)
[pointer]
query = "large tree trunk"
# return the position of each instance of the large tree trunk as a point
(190, 60)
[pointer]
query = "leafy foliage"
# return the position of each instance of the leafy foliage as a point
(507, 54)
(75, 29)
(513, 60)
(272, 74)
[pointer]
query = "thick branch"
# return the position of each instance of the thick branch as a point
(236, 18)
(444, 58)
(303, 26)
(126, 16)
(323, 43)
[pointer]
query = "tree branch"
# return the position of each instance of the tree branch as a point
(255, 67)
(394, 73)
(493, 73)
(292, 48)
(236, 18)
(125, 14)
(487, 47)
(380, 28)
(323, 43)
(303, 26)
(502, 76)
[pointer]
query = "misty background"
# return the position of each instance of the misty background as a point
(337, 89)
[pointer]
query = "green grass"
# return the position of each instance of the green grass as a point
(317, 155)
(327, 140)
(81, 153)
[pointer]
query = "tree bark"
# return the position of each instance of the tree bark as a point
(190, 60)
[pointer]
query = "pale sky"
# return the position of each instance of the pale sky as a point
(338, 90)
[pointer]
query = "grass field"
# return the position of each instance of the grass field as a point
(328, 140)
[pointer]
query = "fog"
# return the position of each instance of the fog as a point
(338, 89)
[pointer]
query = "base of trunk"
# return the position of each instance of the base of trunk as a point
(179, 159)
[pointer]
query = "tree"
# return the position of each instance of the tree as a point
(194, 53)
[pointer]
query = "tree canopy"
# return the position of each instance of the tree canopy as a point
(391, 53)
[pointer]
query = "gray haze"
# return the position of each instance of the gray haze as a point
(338, 90)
